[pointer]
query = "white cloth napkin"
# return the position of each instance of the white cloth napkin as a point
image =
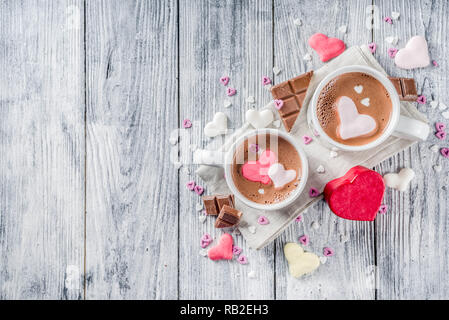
(317, 155)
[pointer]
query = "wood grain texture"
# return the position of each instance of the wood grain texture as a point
(220, 38)
(412, 247)
(41, 150)
(350, 273)
(132, 203)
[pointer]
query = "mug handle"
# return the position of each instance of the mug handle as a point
(411, 129)
(208, 157)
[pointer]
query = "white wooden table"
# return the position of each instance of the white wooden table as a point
(91, 206)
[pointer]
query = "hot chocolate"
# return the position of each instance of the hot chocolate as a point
(354, 109)
(266, 168)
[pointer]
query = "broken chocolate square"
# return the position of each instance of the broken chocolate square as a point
(213, 204)
(228, 217)
(406, 88)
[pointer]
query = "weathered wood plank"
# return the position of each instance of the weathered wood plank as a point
(132, 204)
(219, 38)
(42, 150)
(412, 247)
(349, 274)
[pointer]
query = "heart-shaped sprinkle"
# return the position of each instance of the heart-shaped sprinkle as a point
(343, 29)
(395, 15)
(444, 152)
(191, 185)
(383, 209)
(434, 148)
(323, 260)
(242, 259)
(352, 123)
(421, 99)
(266, 80)
(414, 55)
(236, 250)
(278, 104)
(333, 154)
(198, 190)
(254, 148)
(206, 239)
(203, 253)
(358, 89)
(231, 91)
(313, 192)
(297, 22)
(392, 40)
(445, 114)
(388, 20)
(315, 225)
(227, 103)
(263, 220)
(304, 240)
(434, 104)
(441, 135)
(202, 218)
(252, 274)
(199, 207)
(276, 70)
(435, 64)
(307, 139)
(328, 252)
(365, 102)
(437, 168)
(307, 57)
(224, 80)
(280, 176)
(223, 250)
(252, 229)
(298, 218)
(320, 169)
(372, 47)
(392, 52)
(186, 123)
(442, 106)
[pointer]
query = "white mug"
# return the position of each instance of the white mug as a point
(226, 160)
(399, 126)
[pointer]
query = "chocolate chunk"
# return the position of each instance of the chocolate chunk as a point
(214, 204)
(406, 88)
(292, 92)
(228, 217)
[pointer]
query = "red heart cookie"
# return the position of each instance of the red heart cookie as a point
(357, 195)
(327, 48)
(257, 171)
(223, 250)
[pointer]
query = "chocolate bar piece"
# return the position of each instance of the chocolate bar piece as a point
(228, 217)
(406, 88)
(292, 92)
(214, 204)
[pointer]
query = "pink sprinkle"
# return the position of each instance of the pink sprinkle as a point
(231, 91)
(224, 80)
(422, 100)
(388, 20)
(372, 47)
(191, 185)
(304, 240)
(435, 63)
(263, 220)
(242, 259)
(444, 152)
(278, 104)
(186, 123)
(328, 252)
(307, 139)
(441, 135)
(392, 52)
(236, 250)
(199, 190)
(383, 209)
(254, 148)
(440, 126)
(313, 193)
(298, 218)
(266, 80)
(206, 239)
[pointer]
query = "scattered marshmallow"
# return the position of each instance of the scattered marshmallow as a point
(202, 218)
(320, 169)
(203, 253)
(173, 140)
(218, 126)
(297, 22)
(315, 225)
(392, 40)
(276, 70)
(434, 148)
(434, 104)
(259, 119)
(227, 103)
(442, 106)
(445, 114)
(395, 15)
(307, 57)
(251, 99)
(401, 180)
(199, 207)
(343, 29)
(252, 274)
(252, 229)
(323, 260)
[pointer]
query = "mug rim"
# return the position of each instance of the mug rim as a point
(274, 206)
(388, 85)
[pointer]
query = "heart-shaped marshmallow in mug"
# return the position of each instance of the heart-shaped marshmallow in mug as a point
(300, 262)
(414, 55)
(401, 180)
(280, 176)
(257, 171)
(219, 125)
(223, 250)
(259, 119)
(358, 89)
(352, 123)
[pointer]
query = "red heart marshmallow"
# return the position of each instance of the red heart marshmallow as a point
(327, 48)
(257, 171)
(223, 250)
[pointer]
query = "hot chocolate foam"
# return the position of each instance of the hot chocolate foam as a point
(358, 87)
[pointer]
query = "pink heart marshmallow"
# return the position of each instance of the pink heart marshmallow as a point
(414, 55)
